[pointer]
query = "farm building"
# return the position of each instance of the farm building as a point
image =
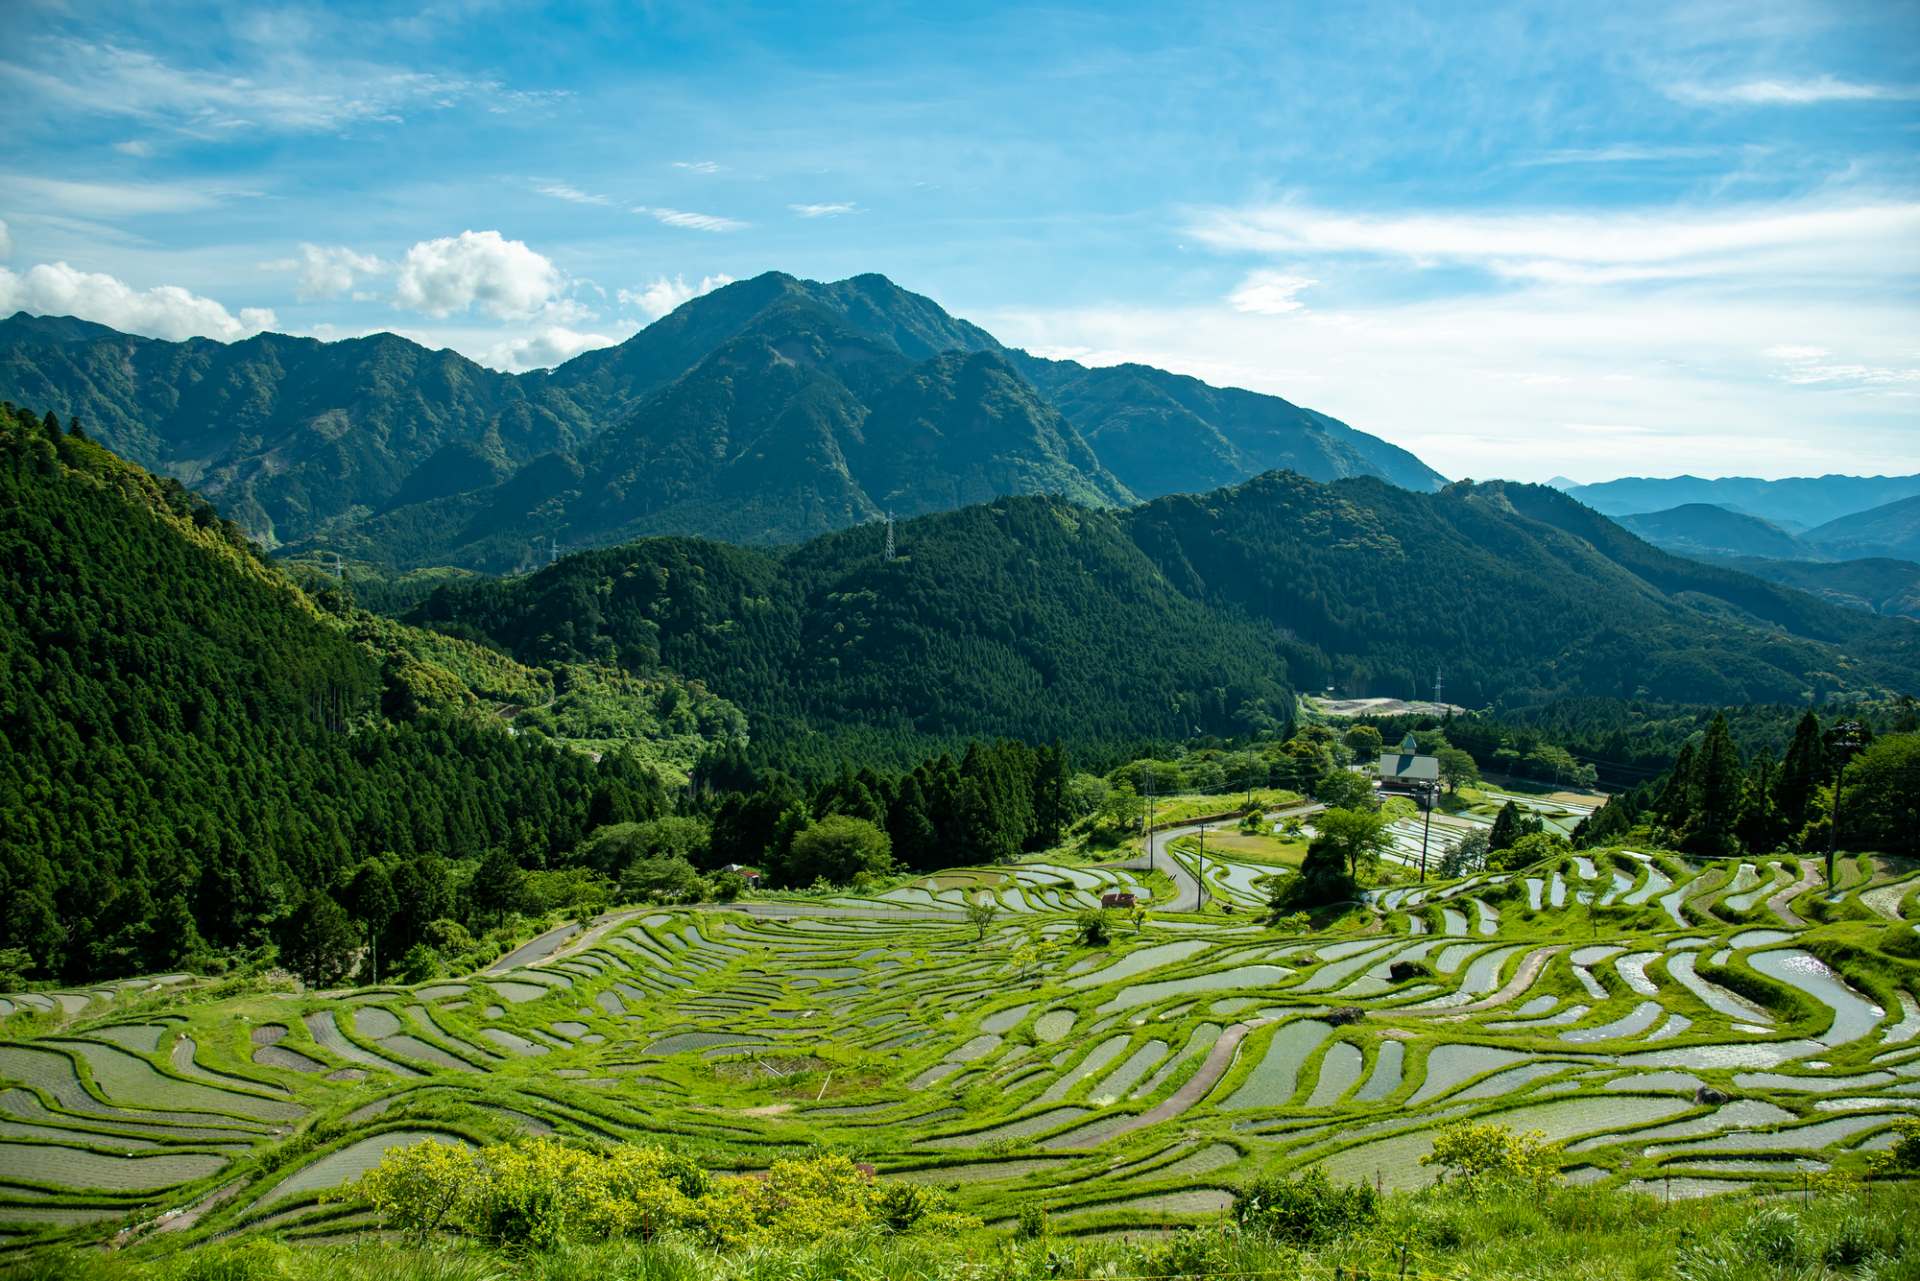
(1407, 772)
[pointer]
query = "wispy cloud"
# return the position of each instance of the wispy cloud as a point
(112, 199)
(697, 166)
(564, 191)
(1807, 366)
(1592, 248)
(1270, 293)
(1622, 153)
(1792, 93)
(138, 148)
(285, 92)
(690, 221)
(822, 210)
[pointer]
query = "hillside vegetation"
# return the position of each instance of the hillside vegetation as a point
(1038, 619)
(192, 738)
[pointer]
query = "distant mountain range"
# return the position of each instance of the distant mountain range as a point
(1796, 504)
(1865, 560)
(768, 411)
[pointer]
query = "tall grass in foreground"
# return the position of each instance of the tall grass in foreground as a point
(1561, 1234)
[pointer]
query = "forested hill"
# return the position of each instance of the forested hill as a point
(192, 742)
(1516, 593)
(1036, 618)
(1031, 618)
(766, 411)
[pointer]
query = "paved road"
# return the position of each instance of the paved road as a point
(1186, 893)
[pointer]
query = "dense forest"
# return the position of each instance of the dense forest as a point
(1191, 616)
(1837, 784)
(190, 738)
(1024, 618)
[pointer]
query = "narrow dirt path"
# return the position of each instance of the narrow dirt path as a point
(1523, 978)
(1212, 1068)
(1810, 876)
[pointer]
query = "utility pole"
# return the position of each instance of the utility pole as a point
(1426, 803)
(1843, 740)
(1204, 896)
(1149, 824)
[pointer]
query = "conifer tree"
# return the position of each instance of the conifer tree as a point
(1714, 794)
(1801, 775)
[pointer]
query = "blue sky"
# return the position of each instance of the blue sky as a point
(1521, 240)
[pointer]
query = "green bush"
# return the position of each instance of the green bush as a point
(1306, 1209)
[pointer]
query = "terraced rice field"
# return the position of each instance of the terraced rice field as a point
(1610, 1001)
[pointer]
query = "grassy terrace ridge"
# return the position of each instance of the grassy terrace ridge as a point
(1607, 998)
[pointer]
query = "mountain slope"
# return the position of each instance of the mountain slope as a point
(1167, 433)
(796, 425)
(1796, 503)
(1873, 584)
(381, 448)
(1702, 529)
(283, 433)
(1037, 618)
(193, 741)
(1892, 530)
(1030, 618)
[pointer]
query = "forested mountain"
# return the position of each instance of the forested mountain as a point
(193, 741)
(1863, 561)
(768, 410)
(1702, 529)
(1165, 433)
(1796, 503)
(286, 433)
(1875, 584)
(796, 425)
(1890, 530)
(1031, 618)
(1035, 618)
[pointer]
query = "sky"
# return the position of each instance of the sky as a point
(1525, 241)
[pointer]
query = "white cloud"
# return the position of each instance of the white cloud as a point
(1270, 293)
(1806, 366)
(115, 199)
(502, 277)
(663, 295)
(6, 240)
(1792, 93)
(563, 191)
(1593, 248)
(697, 166)
(286, 91)
(691, 221)
(134, 147)
(166, 311)
(822, 211)
(328, 271)
(1540, 381)
(551, 346)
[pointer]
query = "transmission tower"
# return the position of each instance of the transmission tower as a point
(889, 534)
(1438, 685)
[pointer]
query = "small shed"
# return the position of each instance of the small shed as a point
(741, 870)
(1117, 898)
